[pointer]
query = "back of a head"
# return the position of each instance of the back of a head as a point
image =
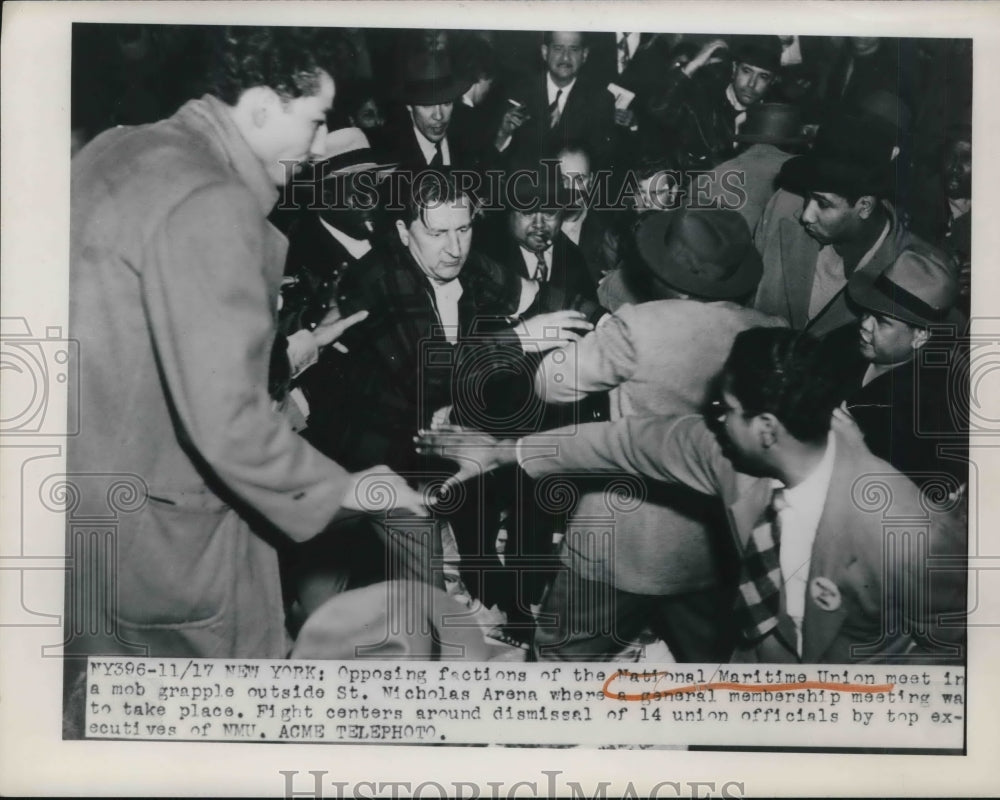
(785, 373)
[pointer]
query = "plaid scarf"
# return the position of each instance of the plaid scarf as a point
(759, 598)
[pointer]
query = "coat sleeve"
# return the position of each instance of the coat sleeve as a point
(602, 360)
(205, 293)
(672, 449)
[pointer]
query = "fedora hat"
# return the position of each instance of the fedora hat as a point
(348, 152)
(429, 80)
(772, 123)
(848, 158)
(704, 252)
(919, 287)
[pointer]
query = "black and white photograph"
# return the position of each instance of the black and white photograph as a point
(507, 385)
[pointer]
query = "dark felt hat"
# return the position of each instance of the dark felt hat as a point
(758, 51)
(428, 80)
(708, 252)
(848, 158)
(919, 287)
(772, 123)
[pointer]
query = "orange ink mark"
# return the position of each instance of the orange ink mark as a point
(743, 687)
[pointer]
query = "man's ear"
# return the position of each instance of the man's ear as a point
(865, 206)
(767, 429)
(257, 103)
(586, 52)
(404, 233)
(920, 338)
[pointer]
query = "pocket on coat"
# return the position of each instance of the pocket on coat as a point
(176, 564)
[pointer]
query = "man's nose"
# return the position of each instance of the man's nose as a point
(318, 147)
(809, 212)
(437, 113)
(867, 323)
(454, 244)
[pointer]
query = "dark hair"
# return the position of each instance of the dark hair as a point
(432, 188)
(584, 38)
(288, 60)
(785, 373)
(355, 94)
(473, 57)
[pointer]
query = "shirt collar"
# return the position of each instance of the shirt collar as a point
(531, 260)
(553, 90)
(731, 97)
(356, 247)
(959, 207)
(429, 149)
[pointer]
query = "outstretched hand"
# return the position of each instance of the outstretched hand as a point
(379, 490)
(476, 453)
(333, 326)
(544, 332)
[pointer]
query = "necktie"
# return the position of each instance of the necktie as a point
(554, 113)
(624, 55)
(438, 161)
(759, 598)
(542, 270)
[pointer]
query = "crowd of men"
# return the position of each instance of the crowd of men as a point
(686, 311)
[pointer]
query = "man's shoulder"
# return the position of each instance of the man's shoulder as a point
(164, 162)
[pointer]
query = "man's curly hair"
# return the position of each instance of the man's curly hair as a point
(288, 60)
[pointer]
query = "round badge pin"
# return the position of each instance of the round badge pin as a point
(825, 593)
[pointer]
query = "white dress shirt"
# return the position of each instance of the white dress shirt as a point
(446, 296)
(799, 520)
(829, 278)
(554, 90)
(429, 149)
(531, 262)
(741, 117)
(633, 45)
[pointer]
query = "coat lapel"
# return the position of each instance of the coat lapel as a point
(831, 556)
(798, 265)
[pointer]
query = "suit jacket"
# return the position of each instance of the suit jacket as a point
(593, 243)
(313, 267)
(589, 115)
(655, 358)
(789, 256)
(366, 407)
(870, 616)
(569, 284)
(759, 166)
(912, 416)
(176, 290)
(696, 118)
(643, 70)
(399, 146)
